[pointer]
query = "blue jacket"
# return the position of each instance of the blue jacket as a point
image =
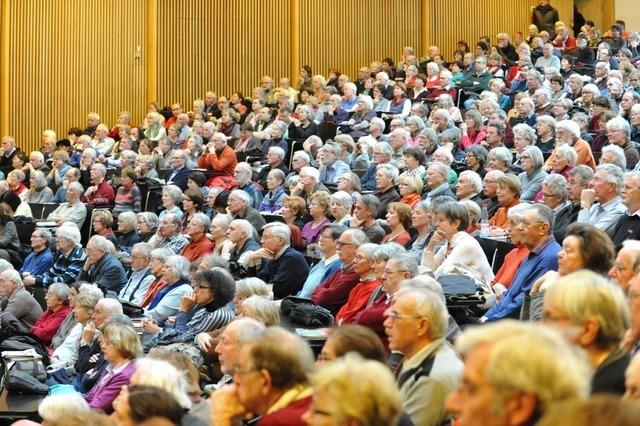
(180, 179)
(37, 263)
(541, 259)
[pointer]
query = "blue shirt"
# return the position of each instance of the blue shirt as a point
(368, 180)
(318, 274)
(254, 192)
(37, 263)
(331, 173)
(542, 258)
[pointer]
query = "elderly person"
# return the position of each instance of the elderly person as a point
(536, 227)
(294, 212)
(166, 301)
(330, 166)
(626, 227)
(382, 154)
(341, 204)
(102, 142)
(275, 347)
(221, 245)
(584, 296)
(219, 157)
(199, 245)
(242, 174)
(552, 370)
(329, 262)
(303, 125)
(476, 158)
(414, 159)
(564, 160)
(546, 133)
(275, 160)
(102, 222)
(469, 187)
(274, 197)
(277, 259)
(410, 189)
(554, 193)
(508, 194)
(214, 290)
(240, 234)
(239, 207)
(39, 260)
(15, 179)
(38, 192)
(350, 183)
(68, 262)
(60, 165)
(319, 209)
(423, 395)
(452, 220)
(169, 234)
(101, 267)
(140, 278)
(532, 174)
(73, 210)
(100, 193)
(358, 125)
(499, 158)
(147, 225)
(18, 305)
(437, 181)
(613, 154)
(386, 179)
(126, 232)
(618, 133)
(57, 301)
(171, 198)
(179, 175)
(121, 347)
(471, 130)
(336, 393)
(523, 137)
(600, 204)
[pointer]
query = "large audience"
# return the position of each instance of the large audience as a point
(466, 230)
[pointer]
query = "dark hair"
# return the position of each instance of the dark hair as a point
(480, 152)
(22, 157)
(569, 59)
(146, 402)
(416, 153)
(129, 172)
(198, 178)
(63, 142)
(596, 247)
(221, 283)
(602, 101)
(464, 44)
(335, 229)
(195, 195)
(455, 211)
(482, 45)
(388, 61)
(222, 200)
(558, 79)
(76, 131)
(246, 126)
(359, 339)
(307, 69)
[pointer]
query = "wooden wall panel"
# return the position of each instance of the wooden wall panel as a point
(70, 57)
(453, 20)
(349, 34)
(222, 45)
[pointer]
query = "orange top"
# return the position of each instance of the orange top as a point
(510, 266)
(500, 219)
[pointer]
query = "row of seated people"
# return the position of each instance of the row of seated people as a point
(381, 251)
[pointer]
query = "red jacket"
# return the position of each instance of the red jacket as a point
(103, 196)
(197, 249)
(222, 163)
(357, 301)
(48, 323)
(333, 292)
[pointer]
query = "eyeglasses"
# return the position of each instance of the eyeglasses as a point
(342, 243)
(395, 315)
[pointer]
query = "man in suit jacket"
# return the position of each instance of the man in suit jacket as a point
(280, 265)
(101, 267)
(180, 175)
(16, 301)
(8, 150)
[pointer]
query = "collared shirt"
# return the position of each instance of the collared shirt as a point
(330, 174)
(176, 243)
(603, 216)
(136, 287)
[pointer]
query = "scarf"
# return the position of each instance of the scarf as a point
(158, 297)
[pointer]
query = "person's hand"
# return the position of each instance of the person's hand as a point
(87, 264)
(187, 302)
(90, 190)
(158, 151)
(499, 290)
(226, 406)
(437, 238)
(544, 281)
(330, 110)
(102, 158)
(299, 186)
(463, 128)
(29, 280)
(150, 326)
(587, 198)
(262, 253)
(204, 341)
(88, 332)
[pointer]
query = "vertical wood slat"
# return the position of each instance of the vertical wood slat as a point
(70, 57)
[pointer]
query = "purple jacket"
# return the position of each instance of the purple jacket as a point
(106, 390)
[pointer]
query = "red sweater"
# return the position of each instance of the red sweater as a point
(197, 249)
(222, 163)
(48, 323)
(291, 415)
(357, 301)
(103, 196)
(372, 316)
(333, 292)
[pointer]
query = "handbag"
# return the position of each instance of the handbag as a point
(21, 382)
(304, 312)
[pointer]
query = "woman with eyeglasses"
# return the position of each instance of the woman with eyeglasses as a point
(476, 158)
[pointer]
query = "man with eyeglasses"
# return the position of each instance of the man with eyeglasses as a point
(140, 277)
(601, 204)
(333, 292)
(416, 324)
(270, 381)
(578, 179)
(536, 228)
(479, 81)
(554, 193)
(40, 259)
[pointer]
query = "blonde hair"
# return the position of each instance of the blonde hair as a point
(359, 389)
(583, 295)
(547, 366)
(261, 309)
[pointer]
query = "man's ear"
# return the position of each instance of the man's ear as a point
(520, 408)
